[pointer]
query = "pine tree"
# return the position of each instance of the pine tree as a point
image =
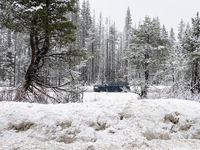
(177, 62)
(101, 49)
(112, 40)
(181, 30)
(191, 45)
(86, 20)
(47, 22)
(86, 23)
(145, 45)
(127, 35)
(127, 27)
(92, 51)
(172, 38)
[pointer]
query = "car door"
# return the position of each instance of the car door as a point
(108, 86)
(112, 86)
(115, 86)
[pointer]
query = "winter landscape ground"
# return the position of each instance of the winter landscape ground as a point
(113, 121)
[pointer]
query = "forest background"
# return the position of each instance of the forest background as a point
(145, 54)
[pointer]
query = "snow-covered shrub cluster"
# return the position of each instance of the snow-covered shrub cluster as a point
(167, 92)
(6, 94)
(5, 83)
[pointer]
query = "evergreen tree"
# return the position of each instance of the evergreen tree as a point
(181, 30)
(145, 45)
(164, 33)
(86, 23)
(172, 38)
(47, 22)
(92, 51)
(191, 45)
(112, 40)
(86, 20)
(127, 27)
(101, 47)
(177, 62)
(127, 36)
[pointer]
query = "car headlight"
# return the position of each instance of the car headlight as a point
(96, 87)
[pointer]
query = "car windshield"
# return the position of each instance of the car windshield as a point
(123, 83)
(115, 83)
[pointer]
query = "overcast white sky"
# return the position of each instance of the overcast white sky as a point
(170, 12)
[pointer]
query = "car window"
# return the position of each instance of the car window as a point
(113, 83)
(122, 83)
(109, 83)
(106, 83)
(125, 83)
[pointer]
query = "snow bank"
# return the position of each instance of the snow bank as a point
(125, 124)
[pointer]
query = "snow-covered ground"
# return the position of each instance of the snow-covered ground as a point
(108, 96)
(105, 121)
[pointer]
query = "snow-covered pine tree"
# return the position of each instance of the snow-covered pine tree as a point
(181, 30)
(191, 44)
(175, 61)
(145, 45)
(3, 52)
(177, 64)
(127, 27)
(160, 54)
(101, 47)
(127, 36)
(47, 22)
(92, 43)
(13, 48)
(86, 23)
(164, 34)
(112, 40)
(172, 38)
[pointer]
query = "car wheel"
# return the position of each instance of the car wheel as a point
(101, 90)
(116, 90)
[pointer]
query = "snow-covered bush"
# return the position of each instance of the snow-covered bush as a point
(6, 94)
(168, 92)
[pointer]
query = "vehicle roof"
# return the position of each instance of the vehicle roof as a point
(119, 82)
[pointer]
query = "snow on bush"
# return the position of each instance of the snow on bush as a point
(117, 124)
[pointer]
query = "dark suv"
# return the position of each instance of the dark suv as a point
(112, 87)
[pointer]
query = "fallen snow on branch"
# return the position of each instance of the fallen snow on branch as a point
(118, 124)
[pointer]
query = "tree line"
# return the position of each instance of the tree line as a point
(60, 45)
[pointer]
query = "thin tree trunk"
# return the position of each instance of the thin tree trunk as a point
(107, 62)
(93, 63)
(31, 66)
(144, 88)
(195, 83)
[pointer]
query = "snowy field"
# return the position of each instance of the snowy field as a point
(105, 121)
(108, 96)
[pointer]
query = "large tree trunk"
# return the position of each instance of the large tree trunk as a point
(145, 87)
(21, 92)
(33, 82)
(31, 69)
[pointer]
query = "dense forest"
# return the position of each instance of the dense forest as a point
(61, 45)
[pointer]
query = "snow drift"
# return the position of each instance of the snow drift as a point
(120, 124)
